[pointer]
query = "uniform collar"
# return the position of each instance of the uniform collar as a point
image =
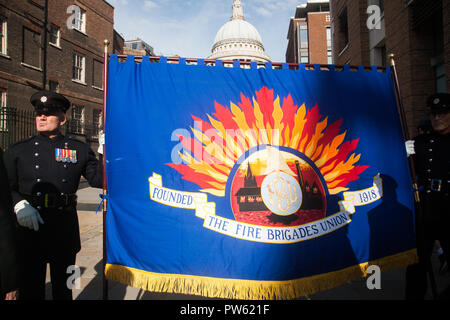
(42, 137)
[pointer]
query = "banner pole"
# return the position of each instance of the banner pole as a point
(418, 206)
(105, 190)
(401, 111)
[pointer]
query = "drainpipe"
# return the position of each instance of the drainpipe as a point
(44, 46)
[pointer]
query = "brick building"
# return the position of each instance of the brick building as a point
(138, 47)
(70, 61)
(309, 35)
(417, 32)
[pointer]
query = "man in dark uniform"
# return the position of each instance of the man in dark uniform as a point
(432, 162)
(9, 257)
(44, 172)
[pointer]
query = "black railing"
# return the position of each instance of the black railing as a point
(17, 124)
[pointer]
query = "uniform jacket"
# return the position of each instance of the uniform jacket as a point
(40, 161)
(9, 254)
(432, 163)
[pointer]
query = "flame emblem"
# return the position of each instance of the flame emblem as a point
(298, 151)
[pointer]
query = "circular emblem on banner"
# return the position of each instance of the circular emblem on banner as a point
(281, 193)
(277, 187)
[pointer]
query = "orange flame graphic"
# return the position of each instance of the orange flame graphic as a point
(217, 145)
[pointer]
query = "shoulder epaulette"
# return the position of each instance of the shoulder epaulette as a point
(75, 138)
(20, 142)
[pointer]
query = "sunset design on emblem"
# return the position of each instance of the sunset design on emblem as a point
(215, 147)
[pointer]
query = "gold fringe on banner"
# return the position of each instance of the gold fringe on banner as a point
(250, 289)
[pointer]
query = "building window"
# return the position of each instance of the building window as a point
(78, 72)
(2, 98)
(304, 59)
(3, 35)
(328, 37)
(97, 74)
(77, 122)
(441, 83)
(438, 53)
(53, 86)
(3, 113)
(80, 20)
(303, 33)
(327, 18)
(54, 35)
(343, 29)
(31, 48)
(96, 122)
(329, 57)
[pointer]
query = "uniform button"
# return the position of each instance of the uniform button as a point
(429, 150)
(39, 207)
(65, 166)
(430, 159)
(64, 180)
(38, 180)
(38, 194)
(36, 154)
(429, 170)
(431, 141)
(37, 166)
(36, 143)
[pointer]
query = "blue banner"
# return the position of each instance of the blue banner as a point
(253, 183)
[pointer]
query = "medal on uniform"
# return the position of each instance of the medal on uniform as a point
(66, 155)
(73, 157)
(58, 154)
(63, 155)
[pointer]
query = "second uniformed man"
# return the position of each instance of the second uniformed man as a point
(44, 172)
(431, 152)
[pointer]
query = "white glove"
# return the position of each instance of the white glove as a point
(101, 142)
(410, 147)
(27, 216)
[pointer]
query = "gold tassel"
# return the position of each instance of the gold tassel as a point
(250, 289)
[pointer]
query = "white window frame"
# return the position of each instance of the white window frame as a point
(79, 68)
(78, 118)
(4, 37)
(58, 36)
(97, 121)
(94, 75)
(303, 30)
(80, 20)
(3, 105)
(329, 57)
(3, 97)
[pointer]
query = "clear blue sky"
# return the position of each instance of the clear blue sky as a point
(188, 27)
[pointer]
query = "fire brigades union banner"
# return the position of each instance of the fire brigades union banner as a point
(254, 183)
